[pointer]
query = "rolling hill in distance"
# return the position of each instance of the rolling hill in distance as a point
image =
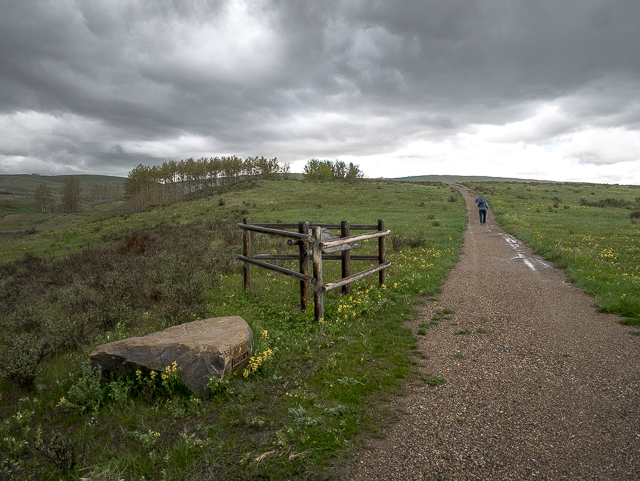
(451, 179)
(26, 184)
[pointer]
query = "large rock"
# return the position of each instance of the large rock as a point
(201, 349)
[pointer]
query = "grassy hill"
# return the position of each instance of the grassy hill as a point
(26, 184)
(16, 191)
(450, 179)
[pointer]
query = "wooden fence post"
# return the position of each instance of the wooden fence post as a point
(305, 291)
(345, 231)
(318, 297)
(246, 251)
(382, 275)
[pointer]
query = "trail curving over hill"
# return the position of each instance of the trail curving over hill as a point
(551, 390)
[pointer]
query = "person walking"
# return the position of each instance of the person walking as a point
(483, 207)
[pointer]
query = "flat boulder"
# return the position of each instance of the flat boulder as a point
(201, 349)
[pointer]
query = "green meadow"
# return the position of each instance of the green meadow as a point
(591, 230)
(313, 391)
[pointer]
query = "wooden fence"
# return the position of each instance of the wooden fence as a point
(316, 243)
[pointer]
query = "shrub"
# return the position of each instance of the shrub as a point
(399, 241)
(218, 386)
(21, 356)
(72, 300)
(86, 394)
(61, 450)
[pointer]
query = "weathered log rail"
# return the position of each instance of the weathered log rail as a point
(316, 243)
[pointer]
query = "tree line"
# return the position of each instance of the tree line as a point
(171, 181)
(326, 170)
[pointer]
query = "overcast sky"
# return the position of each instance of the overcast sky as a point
(542, 89)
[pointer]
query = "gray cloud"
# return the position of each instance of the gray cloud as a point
(100, 87)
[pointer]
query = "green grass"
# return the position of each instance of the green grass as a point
(589, 229)
(457, 178)
(304, 410)
(26, 184)
(434, 380)
(12, 204)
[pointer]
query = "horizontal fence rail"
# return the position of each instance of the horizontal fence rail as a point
(324, 226)
(353, 238)
(283, 233)
(355, 277)
(281, 270)
(316, 243)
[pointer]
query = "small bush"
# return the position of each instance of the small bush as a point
(635, 214)
(399, 241)
(218, 386)
(21, 356)
(86, 394)
(61, 451)
(137, 243)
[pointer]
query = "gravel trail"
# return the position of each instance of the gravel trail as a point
(541, 386)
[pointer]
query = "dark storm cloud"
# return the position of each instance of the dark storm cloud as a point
(101, 86)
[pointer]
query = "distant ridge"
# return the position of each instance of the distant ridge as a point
(26, 184)
(450, 179)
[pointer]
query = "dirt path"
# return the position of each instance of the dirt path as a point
(550, 391)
